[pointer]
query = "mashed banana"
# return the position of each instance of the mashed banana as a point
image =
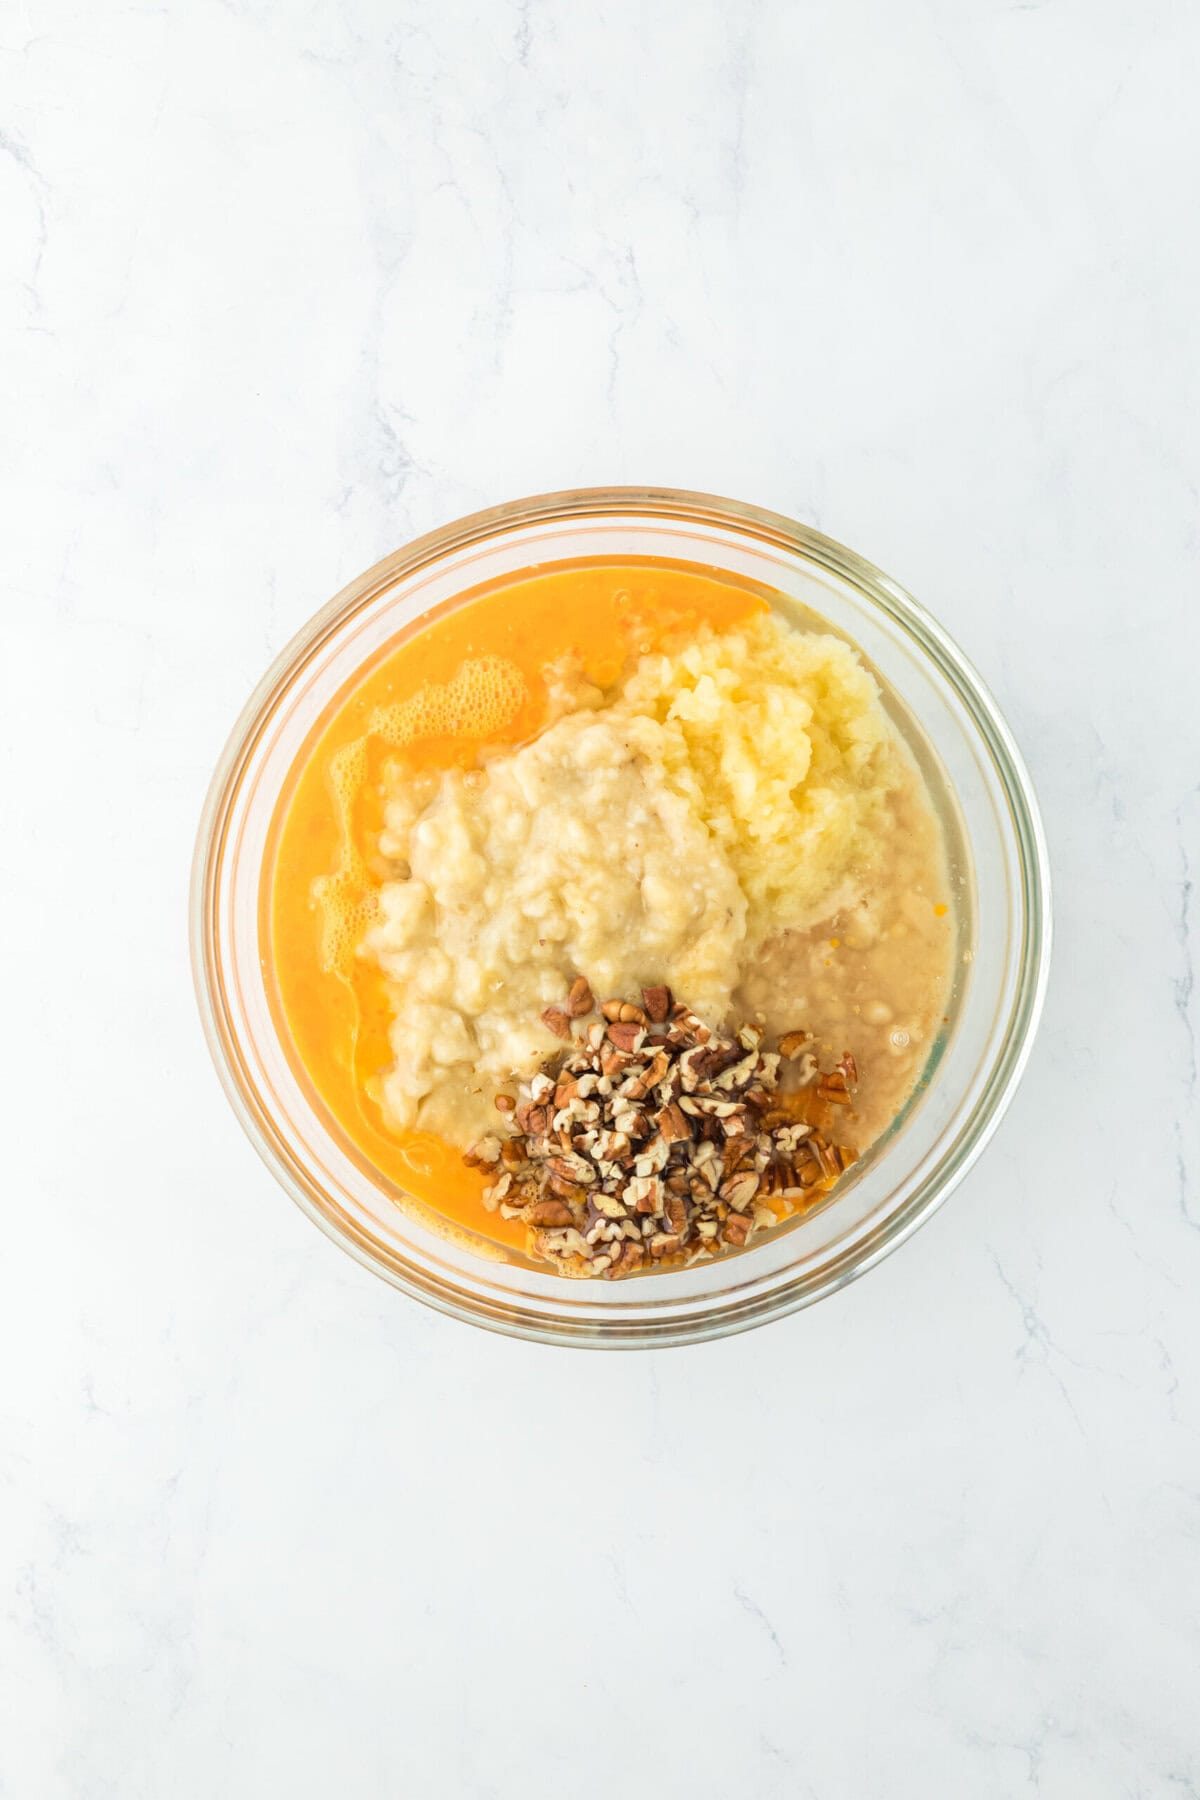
(655, 833)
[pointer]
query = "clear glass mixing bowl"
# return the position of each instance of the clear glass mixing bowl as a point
(997, 850)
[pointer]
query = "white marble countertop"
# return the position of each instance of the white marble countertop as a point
(280, 287)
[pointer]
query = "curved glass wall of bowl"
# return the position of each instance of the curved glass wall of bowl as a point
(979, 785)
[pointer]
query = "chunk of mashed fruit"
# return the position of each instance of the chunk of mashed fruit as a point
(656, 832)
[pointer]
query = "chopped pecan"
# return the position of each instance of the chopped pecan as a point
(566, 1091)
(573, 1168)
(673, 1124)
(657, 1002)
(740, 1153)
(549, 1212)
(638, 1142)
(579, 1000)
(739, 1190)
(675, 1210)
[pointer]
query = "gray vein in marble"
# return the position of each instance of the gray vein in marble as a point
(13, 148)
(750, 1605)
(1136, 1238)
(396, 463)
(787, 1763)
(739, 83)
(1183, 1181)
(1166, 1363)
(1032, 1748)
(1185, 984)
(497, 317)
(523, 36)
(1039, 1343)
(1147, 37)
(620, 1585)
(626, 315)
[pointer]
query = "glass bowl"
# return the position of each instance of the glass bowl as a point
(998, 857)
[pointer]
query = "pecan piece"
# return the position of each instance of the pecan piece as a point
(740, 1189)
(739, 1154)
(736, 1229)
(579, 1000)
(676, 1213)
(657, 1002)
(825, 1154)
(566, 1091)
(674, 1126)
(549, 1212)
(556, 1020)
(571, 1167)
(792, 1043)
(627, 1034)
(630, 1259)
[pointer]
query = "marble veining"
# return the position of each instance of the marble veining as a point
(281, 287)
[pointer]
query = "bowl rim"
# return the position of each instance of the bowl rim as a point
(874, 587)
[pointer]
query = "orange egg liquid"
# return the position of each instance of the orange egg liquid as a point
(466, 674)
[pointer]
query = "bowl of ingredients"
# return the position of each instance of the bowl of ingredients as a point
(620, 917)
